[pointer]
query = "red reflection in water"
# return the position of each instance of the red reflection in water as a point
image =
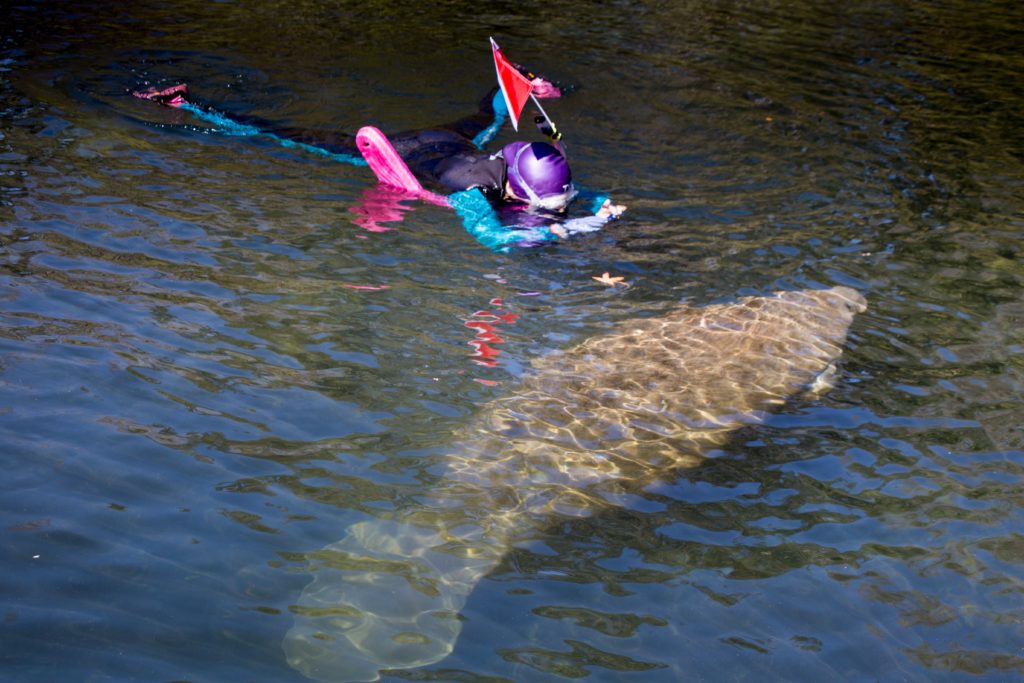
(380, 204)
(485, 351)
(368, 288)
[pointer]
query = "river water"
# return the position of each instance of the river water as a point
(210, 367)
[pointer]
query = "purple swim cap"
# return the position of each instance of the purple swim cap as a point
(538, 171)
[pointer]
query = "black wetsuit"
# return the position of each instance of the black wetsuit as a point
(444, 158)
(447, 159)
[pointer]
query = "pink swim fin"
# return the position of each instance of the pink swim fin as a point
(174, 96)
(389, 168)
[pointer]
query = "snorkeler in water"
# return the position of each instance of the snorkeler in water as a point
(518, 196)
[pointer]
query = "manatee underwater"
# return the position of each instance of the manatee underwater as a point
(630, 406)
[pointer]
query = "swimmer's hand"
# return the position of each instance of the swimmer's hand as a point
(609, 210)
(541, 87)
(545, 89)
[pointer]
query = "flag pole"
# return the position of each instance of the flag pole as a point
(516, 87)
(552, 133)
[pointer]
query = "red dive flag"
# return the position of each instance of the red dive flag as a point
(514, 86)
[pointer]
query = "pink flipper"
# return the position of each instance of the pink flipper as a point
(384, 160)
(174, 96)
(389, 168)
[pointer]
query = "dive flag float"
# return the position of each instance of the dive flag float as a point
(517, 89)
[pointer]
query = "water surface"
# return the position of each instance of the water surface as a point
(209, 369)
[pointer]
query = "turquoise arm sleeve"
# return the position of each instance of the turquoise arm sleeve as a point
(481, 221)
(596, 199)
(485, 136)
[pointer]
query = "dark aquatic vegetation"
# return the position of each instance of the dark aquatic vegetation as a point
(630, 406)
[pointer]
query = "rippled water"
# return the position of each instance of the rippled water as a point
(210, 369)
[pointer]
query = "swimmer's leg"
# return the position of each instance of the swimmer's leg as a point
(340, 146)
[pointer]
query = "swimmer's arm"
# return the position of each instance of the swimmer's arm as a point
(485, 125)
(481, 221)
(603, 211)
(499, 111)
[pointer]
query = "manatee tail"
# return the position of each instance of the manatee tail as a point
(386, 596)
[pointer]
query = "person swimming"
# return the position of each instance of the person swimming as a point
(518, 196)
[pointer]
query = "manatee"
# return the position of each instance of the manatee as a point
(655, 395)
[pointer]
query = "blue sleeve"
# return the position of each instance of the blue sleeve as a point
(481, 221)
(596, 199)
(484, 137)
